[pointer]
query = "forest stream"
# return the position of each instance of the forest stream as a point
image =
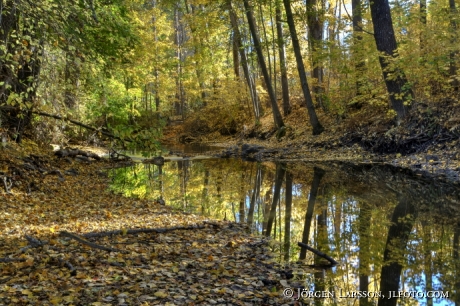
(378, 222)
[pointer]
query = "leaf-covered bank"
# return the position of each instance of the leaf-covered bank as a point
(426, 142)
(67, 240)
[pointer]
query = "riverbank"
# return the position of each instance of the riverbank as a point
(68, 240)
(427, 142)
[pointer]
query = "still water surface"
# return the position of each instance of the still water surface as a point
(392, 232)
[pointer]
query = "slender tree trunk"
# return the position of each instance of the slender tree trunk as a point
(236, 57)
(288, 216)
(428, 260)
(282, 56)
(197, 46)
(318, 174)
(255, 37)
(315, 26)
(261, 14)
(364, 250)
(242, 199)
(244, 61)
(280, 170)
(178, 97)
(255, 195)
(72, 73)
(317, 127)
(456, 258)
(422, 23)
(453, 54)
(360, 64)
(397, 85)
(155, 70)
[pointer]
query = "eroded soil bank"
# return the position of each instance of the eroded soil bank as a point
(427, 142)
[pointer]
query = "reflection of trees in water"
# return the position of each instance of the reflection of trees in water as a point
(318, 173)
(359, 211)
(402, 222)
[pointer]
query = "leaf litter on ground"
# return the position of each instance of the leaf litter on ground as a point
(67, 240)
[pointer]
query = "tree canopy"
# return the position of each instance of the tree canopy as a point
(125, 66)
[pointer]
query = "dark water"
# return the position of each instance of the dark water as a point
(390, 231)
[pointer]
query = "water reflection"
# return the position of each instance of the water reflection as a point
(392, 232)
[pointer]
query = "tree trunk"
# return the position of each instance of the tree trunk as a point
(317, 127)
(318, 174)
(282, 56)
(422, 23)
(453, 54)
(360, 64)
(255, 37)
(197, 46)
(236, 57)
(364, 227)
(288, 216)
(244, 61)
(315, 27)
(72, 73)
(402, 222)
(279, 176)
(397, 85)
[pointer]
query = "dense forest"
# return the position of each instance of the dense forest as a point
(78, 70)
(202, 147)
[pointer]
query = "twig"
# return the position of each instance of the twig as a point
(7, 183)
(319, 253)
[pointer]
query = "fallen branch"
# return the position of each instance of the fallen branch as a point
(80, 124)
(33, 243)
(319, 253)
(75, 152)
(142, 230)
(90, 244)
(12, 259)
(68, 265)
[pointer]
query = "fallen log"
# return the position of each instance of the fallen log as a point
(319, 253)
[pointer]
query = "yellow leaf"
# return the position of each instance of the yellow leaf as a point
(55, 300)
(27, 292)
(80, 275)
(52, 229)
(124, 231)
(160, 294)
